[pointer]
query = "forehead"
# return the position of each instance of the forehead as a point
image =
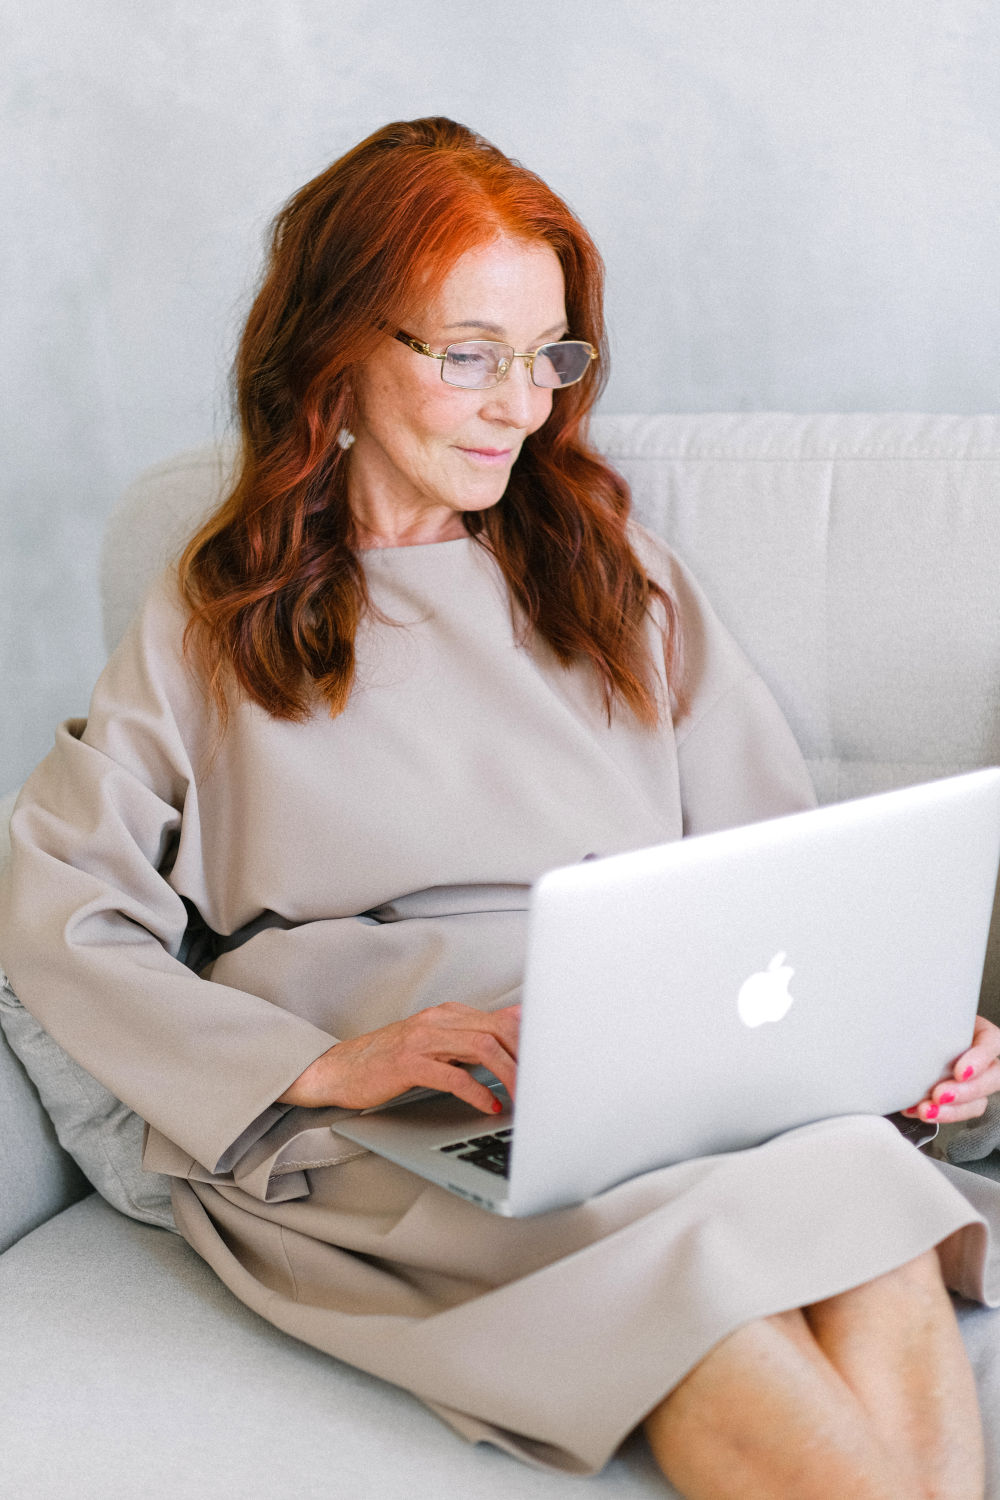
(507, 283)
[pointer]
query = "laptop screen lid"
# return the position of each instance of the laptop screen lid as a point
(704, 995)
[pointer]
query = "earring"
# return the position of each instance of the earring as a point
(345, 438)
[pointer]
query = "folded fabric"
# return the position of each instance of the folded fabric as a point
(980, 1138)
(103, 1136)
(274, 1166)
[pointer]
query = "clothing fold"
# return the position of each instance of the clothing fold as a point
(553, 1336)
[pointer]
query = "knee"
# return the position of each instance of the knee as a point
(922, 1274)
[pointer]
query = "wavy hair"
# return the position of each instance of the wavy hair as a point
(274, 584)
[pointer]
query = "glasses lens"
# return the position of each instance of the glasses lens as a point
(475, 365)
(561, 364)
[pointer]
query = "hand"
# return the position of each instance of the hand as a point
(976, 1075)
(425, 1051)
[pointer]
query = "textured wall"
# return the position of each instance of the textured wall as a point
(797, 202)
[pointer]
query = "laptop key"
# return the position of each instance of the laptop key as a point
(491, 1164)
(491, 1152)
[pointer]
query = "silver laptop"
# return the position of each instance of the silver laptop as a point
(705, 995)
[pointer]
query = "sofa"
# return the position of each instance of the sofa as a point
(857, 559)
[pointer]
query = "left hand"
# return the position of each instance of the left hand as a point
(962, 1095)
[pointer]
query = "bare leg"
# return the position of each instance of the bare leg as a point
(924, 1402)
(869, 1391)
(766, 1417)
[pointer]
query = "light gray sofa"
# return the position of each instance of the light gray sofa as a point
(858, 560)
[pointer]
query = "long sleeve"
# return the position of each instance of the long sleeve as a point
(92, 926)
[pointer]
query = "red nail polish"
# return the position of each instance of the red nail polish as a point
(968, 1072)
(946, 1098)
(932, 1112)
(497, 1107)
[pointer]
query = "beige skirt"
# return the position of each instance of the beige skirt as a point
(553, 1336)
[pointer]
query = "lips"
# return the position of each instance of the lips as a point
(488, 455)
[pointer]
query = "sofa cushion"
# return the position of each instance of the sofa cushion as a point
(102, 1135)
(130, 1370)
(38, 1178)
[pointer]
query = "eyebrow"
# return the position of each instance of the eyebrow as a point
(493, 328)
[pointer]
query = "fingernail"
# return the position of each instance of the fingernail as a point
(910, 1111)
(932, 1112)
(497, 1107)
(968, 1073)
(946, 1098)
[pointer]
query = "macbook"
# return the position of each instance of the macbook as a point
(705, 995)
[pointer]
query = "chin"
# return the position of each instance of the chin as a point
(481, 502)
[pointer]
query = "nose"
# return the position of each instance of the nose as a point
(516, 400)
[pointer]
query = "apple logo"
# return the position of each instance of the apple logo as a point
(764, 996)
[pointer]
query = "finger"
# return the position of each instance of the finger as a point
(461, 1032)
(479, 1048)
(983, 1053)
(452, 1080)
(962, 1101)
(490, 1053)
(926, 1109)
(952, 1114)
(508, 1021)
(950, 1102)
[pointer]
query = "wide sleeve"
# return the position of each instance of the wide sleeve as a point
(738, 761)
(91, 927)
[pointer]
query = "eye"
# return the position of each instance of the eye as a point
(462, 356)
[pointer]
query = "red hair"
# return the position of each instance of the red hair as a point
(275, 587)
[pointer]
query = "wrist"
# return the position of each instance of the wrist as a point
(315, 1085)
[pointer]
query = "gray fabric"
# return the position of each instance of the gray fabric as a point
(37, 1178)
(98, 1132)
(979, 1140)
(102, 1136)
(130, 1370)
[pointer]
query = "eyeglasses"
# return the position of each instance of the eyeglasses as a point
(481, 363)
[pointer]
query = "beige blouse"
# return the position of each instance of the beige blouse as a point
(325, 878)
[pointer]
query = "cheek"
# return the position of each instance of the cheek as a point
(403, 413)
(543, 408)
(436, 420)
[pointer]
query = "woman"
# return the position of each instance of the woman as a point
(418, 656)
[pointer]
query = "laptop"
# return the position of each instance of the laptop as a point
(705, 995)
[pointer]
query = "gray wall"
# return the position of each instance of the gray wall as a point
(798, 203)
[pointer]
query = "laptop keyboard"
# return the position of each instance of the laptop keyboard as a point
(491, 1152)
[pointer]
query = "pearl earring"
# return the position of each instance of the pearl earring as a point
(345, 438)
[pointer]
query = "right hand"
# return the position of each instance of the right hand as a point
(426, 1051)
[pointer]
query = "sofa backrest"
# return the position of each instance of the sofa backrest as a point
(856, 558)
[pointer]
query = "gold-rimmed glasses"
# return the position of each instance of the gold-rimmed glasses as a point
(477, 364)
